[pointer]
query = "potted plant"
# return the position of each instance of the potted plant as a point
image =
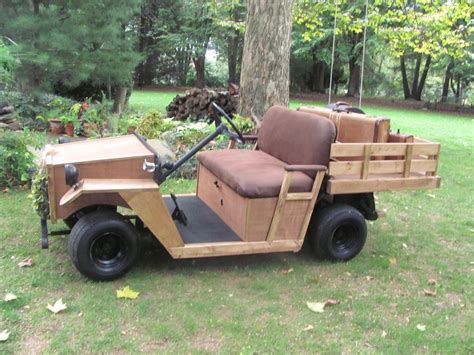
(69, 122)
(54, 120)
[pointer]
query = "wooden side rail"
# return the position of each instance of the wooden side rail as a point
(296, 196)
(411, 166)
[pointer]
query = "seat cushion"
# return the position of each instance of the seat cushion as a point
(296, 137)
(252, 173)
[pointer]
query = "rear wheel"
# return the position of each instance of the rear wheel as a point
(103, 245)
(338, 232)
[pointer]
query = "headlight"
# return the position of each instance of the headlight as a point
(71, 174)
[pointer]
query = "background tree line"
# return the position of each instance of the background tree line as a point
(419, 49)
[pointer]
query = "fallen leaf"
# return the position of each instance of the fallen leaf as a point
(4, 335)
(286, 272)
(5, 190)
(421, 327)
(404, 245)
(80, 314)
(317, 307)
(25, 262)
(384, 334)
(9, 297)
(369, 278)
(431, 293)
(309, 327)
(432, 282)
(431, 195)
(332, 302)
(127, 292)
(393, 261)
(57, 307)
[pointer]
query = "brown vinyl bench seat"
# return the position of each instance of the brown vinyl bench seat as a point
(286, 137)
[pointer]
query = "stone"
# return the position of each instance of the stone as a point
(4, 126)
(8, 118)
(14, 126)
(6, 109)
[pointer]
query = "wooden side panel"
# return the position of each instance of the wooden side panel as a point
(152, 210)
(228, 205)
(380, 183)
(250, 219)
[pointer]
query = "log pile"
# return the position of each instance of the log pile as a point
(195, 103)
(8, 117)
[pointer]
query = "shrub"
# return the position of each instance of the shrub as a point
(16, 161)
(152, 125)
(39, 194)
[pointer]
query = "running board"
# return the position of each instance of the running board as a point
(200, 250)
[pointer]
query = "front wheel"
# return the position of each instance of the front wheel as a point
(337, 232)
(103, 245)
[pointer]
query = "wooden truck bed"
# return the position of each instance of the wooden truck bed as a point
(371, 167)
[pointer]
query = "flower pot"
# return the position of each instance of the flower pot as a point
(69, 128)
(55, 126)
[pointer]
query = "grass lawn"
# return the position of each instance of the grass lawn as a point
(250, 304)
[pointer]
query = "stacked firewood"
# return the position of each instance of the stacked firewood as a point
(8, 117)
(195, 104)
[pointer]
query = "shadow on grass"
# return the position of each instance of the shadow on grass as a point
(154, 257)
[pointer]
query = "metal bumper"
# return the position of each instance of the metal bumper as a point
(45, 234)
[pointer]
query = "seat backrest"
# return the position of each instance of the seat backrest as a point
(354, 127)
(296, 137)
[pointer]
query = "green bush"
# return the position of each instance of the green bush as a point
(16, 161)
(152, 125)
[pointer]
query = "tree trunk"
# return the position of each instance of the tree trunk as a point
(416, 74)
(119, 101)
(354, 78)
(232, 60)
(265, 76)
(318, 75)
(447, 77)
(421, 84)
(200, 67)
(406, 88)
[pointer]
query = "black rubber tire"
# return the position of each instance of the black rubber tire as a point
(337, 232)
(72, 219)
(103, 232)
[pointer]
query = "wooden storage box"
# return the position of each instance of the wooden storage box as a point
(249, 218)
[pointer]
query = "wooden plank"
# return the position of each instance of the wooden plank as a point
(97, 186)
(151, 209)
(380, 183)
(104, 149)
(200, 250)
(364, 172)
(381, 149)
(309, 212)
(298, 196)
(224, 201)
(381, 166)
(280, 205)
(408, 157)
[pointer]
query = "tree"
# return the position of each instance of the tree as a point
(264, 80)
(317, 19)
(421, 31)
(69, 42)
(229, 19)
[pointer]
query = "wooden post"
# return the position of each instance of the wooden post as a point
(280, 205)
(408, 157)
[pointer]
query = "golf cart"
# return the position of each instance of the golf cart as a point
(311, 175)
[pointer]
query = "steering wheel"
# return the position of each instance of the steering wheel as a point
(236, 133)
